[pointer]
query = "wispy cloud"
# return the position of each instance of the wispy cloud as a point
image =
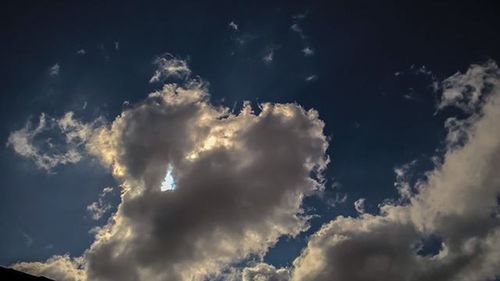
(100, 207)
(54, 70)
(268, 58)
(359, 205)
(311, 78)
(308, 51)
(233, 25)
(169, 66)
(32, 142)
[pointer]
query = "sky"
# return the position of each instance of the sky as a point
(245, 141)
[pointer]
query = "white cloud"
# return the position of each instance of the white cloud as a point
(263, 271)
(61, 268)
(169, 66)
(311, 78)
(233, 25)
(299, 16)
(35, 144)
(268, 58)
(81, 52)
(296, 28)
(308, 51)
(100, 207)
(359, 205)
(54, 70)
(339, 198)
(27, 239)
(465, 91)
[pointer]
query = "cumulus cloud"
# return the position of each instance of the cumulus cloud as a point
(240, 180)
(52, 142)
(456, 202)
(57, 267)
(296, 28)
(263, 271)
(169, 66)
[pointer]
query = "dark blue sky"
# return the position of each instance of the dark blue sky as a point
(377, 119)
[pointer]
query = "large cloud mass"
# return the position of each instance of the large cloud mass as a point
(240, 180)
(458, 203)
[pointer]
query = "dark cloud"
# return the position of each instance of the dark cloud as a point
(456, 202)
(240, 180)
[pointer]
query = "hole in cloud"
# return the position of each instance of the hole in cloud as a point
(430, 246)
(168, 183)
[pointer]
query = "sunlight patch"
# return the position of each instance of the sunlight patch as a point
(168, 182)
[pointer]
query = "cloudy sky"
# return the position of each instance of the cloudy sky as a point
(246, 141)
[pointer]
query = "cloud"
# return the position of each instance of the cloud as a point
(359, 205)
(57, 267)
(28, 239)
(339, 198)
(300, 16)
(169, 66)
(268, 58)
(42, 144)
(81, 52)
(262, 271)
(308, 51)
(100, 207)
(233, 25)
(240, 180)
(456, 202)
(54, 70)
(311, 78)
(296, 28)
(465, 91)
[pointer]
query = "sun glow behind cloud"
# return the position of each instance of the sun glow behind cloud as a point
(168, 183)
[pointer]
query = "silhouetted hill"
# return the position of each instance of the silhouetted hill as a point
(9, 274)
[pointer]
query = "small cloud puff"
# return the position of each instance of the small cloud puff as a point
(233, 25)
(54, 70)
(169, 66)
(359, 205)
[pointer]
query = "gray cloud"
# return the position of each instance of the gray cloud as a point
(359, 205)
(240, 180)
(457, 202)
